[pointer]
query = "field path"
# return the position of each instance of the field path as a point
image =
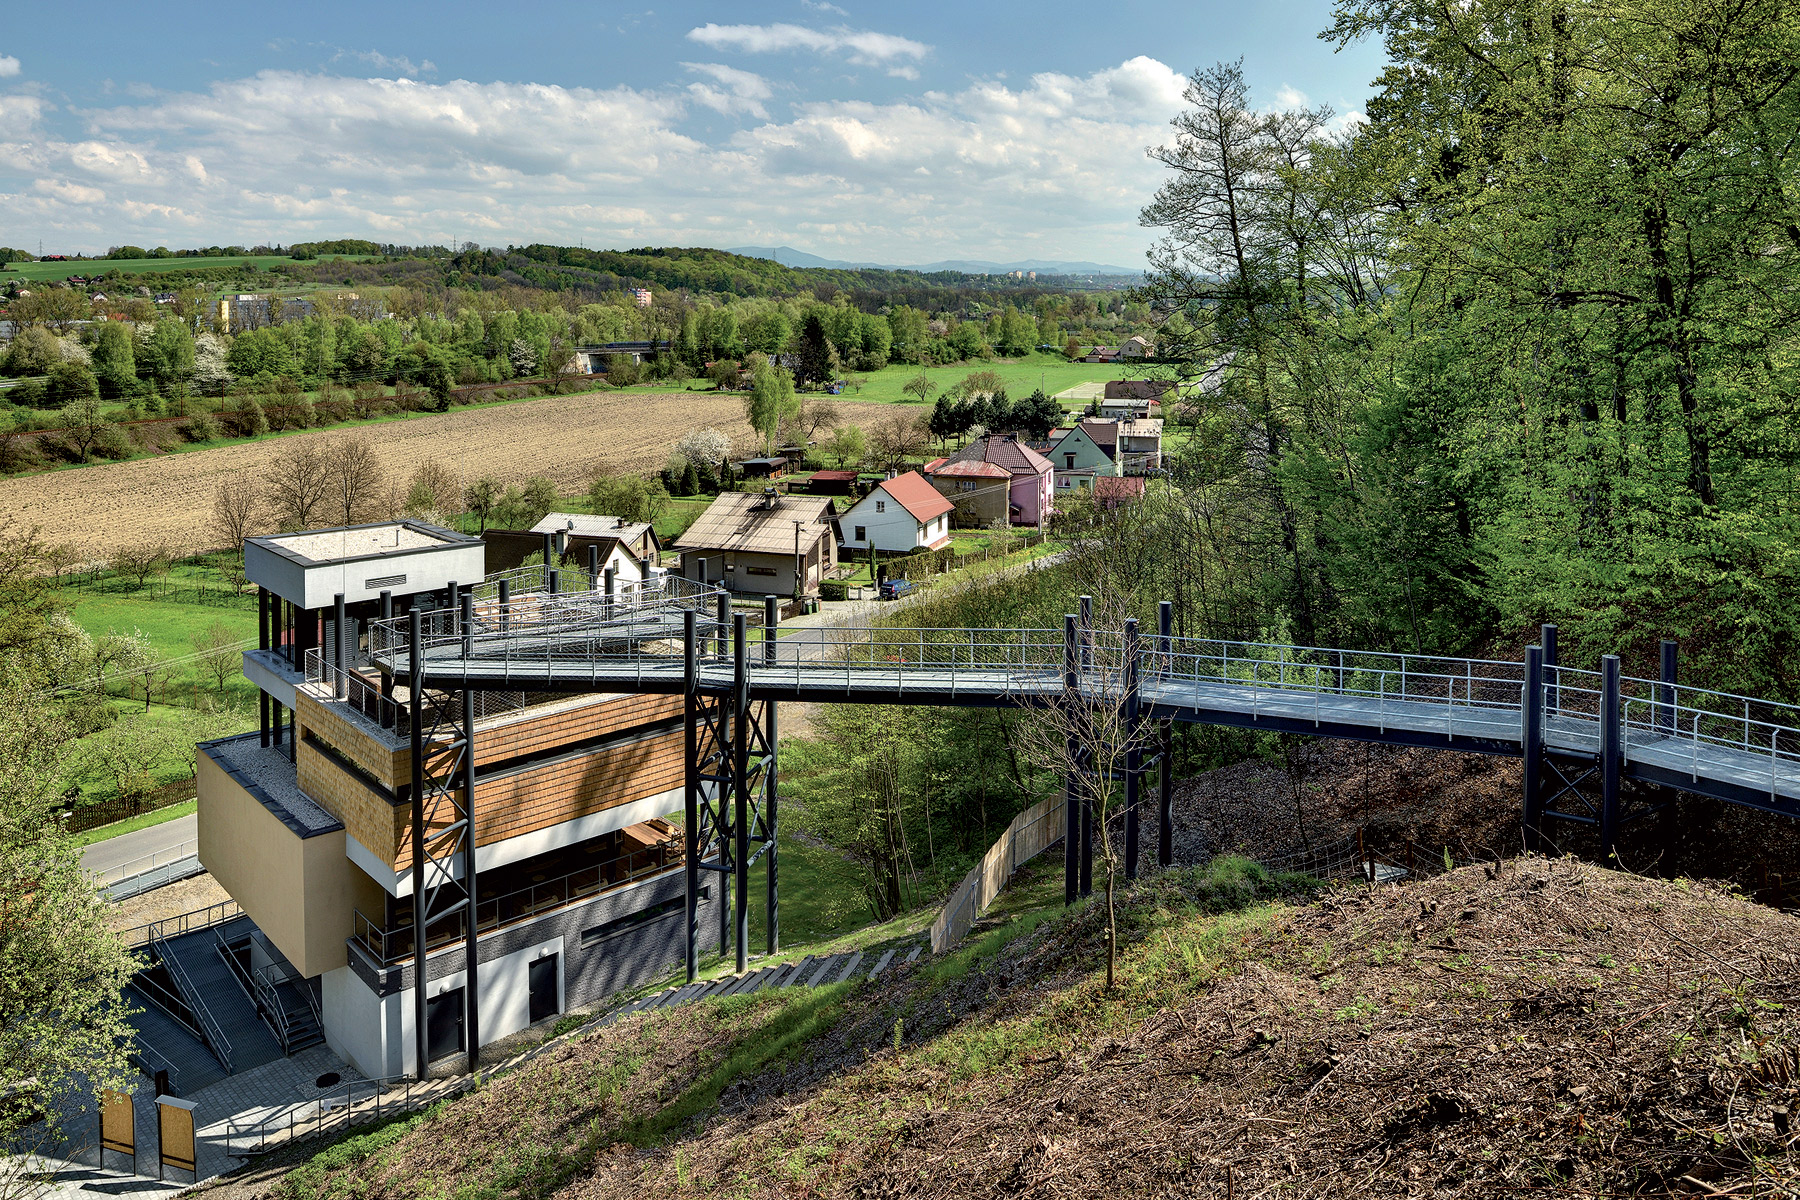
(169, 498)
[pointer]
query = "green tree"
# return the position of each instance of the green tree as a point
(481, 498)
(69, 383)
(919, 387)
(63, 1026)
(33, 352)
(770, 400)
(815, 359)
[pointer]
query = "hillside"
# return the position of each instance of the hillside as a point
(1539, 1026)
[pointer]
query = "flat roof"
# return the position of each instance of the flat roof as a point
(361, 541)
(265, 773)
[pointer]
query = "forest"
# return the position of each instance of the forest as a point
(1518, 348)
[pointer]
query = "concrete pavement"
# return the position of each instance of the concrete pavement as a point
(157, 842)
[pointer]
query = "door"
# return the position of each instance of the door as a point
(444, 1024)
(543, 988)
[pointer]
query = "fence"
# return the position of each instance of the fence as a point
(144, 864)
(106, 812)
(915, 567)
(1029, 834)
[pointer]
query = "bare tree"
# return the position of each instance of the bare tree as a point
(217, 649)
(897, 437)
(354, 476)
(1087, 736)
(141, 560)
(432, 491)
(236, 507)
(299, 485)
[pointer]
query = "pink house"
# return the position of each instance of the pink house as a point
(1031, 477)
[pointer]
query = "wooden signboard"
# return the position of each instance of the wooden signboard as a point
(175, 1135)
(118, 1126)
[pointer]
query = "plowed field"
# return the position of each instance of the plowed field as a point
(101, 508)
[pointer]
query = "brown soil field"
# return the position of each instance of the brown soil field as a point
(169, 498)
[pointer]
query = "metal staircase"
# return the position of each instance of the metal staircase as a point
(283, 998)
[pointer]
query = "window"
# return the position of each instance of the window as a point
(759, 570)
(881, 506)
(967, 485)
(1069, 461)
(862, 534)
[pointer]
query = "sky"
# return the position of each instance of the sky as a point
(898, 133)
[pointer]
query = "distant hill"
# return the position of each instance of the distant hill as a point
(787, 256)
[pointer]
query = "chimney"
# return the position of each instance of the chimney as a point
(618, 522)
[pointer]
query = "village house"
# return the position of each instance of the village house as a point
(1139, 448)
(1078, 458)
(900, 515)
(969, 478)
(764, 543)
(1137, 398)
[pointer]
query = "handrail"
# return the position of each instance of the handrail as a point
(256, 990)
(210, 1031)
(187, 922)
(126, 870)
(144, 1050)
(173, 1006)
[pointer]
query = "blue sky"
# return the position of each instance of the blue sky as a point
(899, 133)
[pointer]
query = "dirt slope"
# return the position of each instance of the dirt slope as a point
(1547, 1028)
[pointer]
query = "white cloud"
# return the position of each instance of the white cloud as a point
(1052, 166)
(742, 91)
(1289, 97)
(398, 63)
(9, 66)
(822, 6)
(862, 47)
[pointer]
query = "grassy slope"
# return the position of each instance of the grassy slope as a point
(1553, 1028)
(1050, 371)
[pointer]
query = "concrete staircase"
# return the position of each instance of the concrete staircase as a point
(811, 971)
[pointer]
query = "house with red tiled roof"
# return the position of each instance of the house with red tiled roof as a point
(1114, 491)
(971, 476)
(899, 515)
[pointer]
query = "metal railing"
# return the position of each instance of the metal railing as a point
(326, 1111)
(634, 639)
(210, 1031)
(144, 864)
(361, 694)
(152, 1063)
(389, 946)
(187, 922)
(172, 1005)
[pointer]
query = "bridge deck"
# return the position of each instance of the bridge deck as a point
(585, 642)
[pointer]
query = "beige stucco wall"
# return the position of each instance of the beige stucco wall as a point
(299, 891)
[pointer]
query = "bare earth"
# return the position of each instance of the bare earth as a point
(101, 508)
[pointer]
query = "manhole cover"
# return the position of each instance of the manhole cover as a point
(328, 1079)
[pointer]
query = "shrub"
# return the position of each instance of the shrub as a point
(833, 589)
(114, 443)
(201, 427)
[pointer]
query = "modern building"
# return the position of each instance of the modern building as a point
(593, 360)
(765, 543)
(900, 515)
(315, 823)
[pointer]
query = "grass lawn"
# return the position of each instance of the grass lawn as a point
(1052, 372)
(133, 824)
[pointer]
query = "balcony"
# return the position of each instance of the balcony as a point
(529, 889)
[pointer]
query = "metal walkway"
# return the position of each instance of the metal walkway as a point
(676, 638)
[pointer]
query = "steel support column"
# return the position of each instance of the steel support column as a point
(740, 778)
(1610, 756)
(339, 687)
(1071, 800)
(1532, 741)
(690, 692)
(1133, 754)
(443, 789)
(772, 740)
(1165, 783)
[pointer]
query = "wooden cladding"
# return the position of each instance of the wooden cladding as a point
(533, 732)
(526, 801)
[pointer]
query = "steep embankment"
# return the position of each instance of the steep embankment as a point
(1544, 1026)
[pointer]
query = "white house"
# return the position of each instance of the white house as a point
(900, 515)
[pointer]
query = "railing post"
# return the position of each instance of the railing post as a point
(1133, 758)
(1552, 694)
(467, 617)
(1071, 817)
(1609, 755)
(1531, 742)
(549, 551)
(722, 616)
(1665, 716)
(504, 589)
(740, 784)
(593, 567)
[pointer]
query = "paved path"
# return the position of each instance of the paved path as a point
(107, 857)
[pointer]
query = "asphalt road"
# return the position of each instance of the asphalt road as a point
(119, 851)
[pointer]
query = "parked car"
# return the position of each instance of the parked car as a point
(893, 589)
